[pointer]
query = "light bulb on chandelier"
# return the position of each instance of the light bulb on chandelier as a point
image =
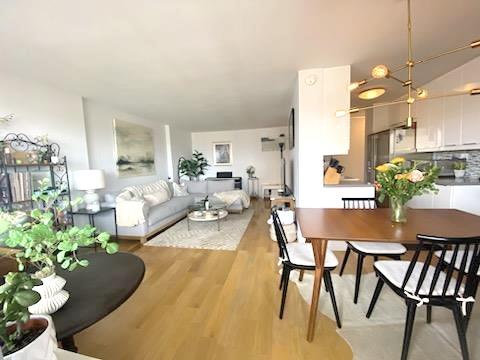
(380, 72)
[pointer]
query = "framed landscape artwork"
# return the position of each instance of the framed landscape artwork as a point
(134, 149)
(222, 153)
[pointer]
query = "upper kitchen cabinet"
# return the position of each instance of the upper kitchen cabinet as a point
(471, 104)
(429, 117)
(452, 119)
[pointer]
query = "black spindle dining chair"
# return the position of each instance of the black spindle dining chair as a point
(362, 248)
(432, 282)
(300, 256)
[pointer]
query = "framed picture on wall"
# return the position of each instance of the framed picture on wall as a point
(222, 153)
(291, 129)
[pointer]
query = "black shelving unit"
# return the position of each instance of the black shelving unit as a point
(47, 159)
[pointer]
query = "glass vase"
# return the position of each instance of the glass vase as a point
(399, 211)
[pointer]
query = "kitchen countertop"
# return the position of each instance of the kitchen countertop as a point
(349, 184)
(451, 181)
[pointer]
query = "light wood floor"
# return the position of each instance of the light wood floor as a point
(201, 304)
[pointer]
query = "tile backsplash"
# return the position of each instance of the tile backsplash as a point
(472, 159)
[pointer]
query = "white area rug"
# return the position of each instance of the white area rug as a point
(381, 336)
(205, 235)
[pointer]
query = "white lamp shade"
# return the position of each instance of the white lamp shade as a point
(88, 179)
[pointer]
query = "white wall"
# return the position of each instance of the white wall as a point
(40, 110)
(99, 124)
(355, 161)
(247, 150)
(181, 145)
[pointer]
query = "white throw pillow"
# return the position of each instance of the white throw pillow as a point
(156, 198)
(179, 190)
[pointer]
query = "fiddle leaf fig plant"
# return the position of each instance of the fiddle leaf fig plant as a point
(16, 295)
(43, 243)
(193, 167)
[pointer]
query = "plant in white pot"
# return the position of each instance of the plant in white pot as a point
(43, 244)
(459, 168)
(23, 337)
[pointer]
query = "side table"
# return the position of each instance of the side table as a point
(253, 184)
(91, 215)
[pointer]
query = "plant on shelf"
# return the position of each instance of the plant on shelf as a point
(401, 182)
(193, 167)
(16, 295)
(43, 244)
(459, 168)
(251, 171)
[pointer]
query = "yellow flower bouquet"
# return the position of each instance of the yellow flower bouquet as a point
(401, 181)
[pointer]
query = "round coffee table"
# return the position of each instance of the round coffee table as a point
(96, 291)
(199, 213)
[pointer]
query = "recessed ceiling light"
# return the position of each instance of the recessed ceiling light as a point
(372, 93)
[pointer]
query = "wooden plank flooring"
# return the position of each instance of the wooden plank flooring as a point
(202, 304)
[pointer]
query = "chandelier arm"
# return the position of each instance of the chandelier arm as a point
(433, 57)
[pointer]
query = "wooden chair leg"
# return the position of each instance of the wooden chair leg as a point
(358, 277)
(286, 276)
(329, 285)
(345, 259)
(376, 294)
(300, 277)
(411, 308)
(457, 314)
(429, 314)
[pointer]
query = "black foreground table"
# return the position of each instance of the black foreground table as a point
(96, 291)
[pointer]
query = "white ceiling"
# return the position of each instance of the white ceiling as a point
(226, 64)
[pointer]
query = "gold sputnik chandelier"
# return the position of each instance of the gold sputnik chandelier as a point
(413, 93)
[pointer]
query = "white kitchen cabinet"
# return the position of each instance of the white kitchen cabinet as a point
(471, 120)
(452, 119)
(441, 200)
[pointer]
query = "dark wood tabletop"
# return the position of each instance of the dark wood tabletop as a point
(320, 225)
(375, 224)
(96, 291)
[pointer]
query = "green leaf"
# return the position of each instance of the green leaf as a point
(27, 297)
(111, 248)
(83, 263)
(72, 266)
(66, 263)
(60, 256)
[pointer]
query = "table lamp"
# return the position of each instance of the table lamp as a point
(89, 181)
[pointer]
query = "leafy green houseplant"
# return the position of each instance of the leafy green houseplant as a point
(16, 295)
(43, 244)
(401, 182)
(193, 167)
(459, 168)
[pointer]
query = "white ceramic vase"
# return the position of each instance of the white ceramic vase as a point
(42, 348)
(459, 173)
(53, 297)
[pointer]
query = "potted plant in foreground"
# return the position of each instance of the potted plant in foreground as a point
(22, 336)
(44, 245)
(401, 182)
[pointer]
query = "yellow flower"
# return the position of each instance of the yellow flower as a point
(382, 168)
(401, 176)
(397, 160)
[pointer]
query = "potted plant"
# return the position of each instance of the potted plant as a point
(43, 245)
(459, 169)
(401, 182)
(22, 336)
(193, 167)
(251, 171)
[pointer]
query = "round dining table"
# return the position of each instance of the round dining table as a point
(96, 291)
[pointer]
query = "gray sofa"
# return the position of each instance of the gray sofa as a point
(163, 215)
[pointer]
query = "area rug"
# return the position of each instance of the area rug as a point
(381, 336)
(205, 235)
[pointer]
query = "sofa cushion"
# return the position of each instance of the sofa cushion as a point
(216, 186)
(156, 198)
(179, 190)
(169, 208)
(196, 187)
